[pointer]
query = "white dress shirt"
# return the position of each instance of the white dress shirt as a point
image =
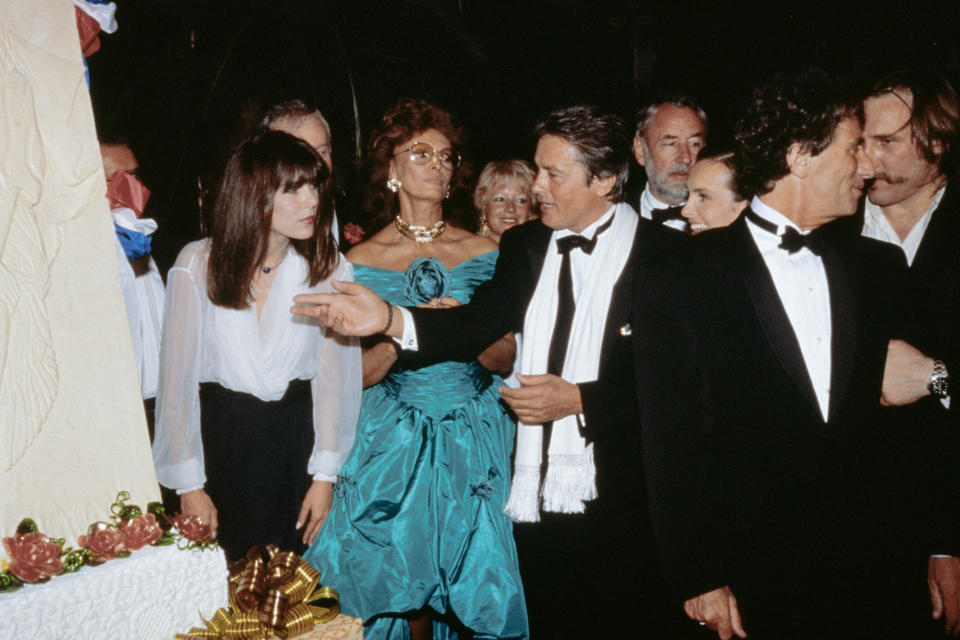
(408, 341)
(649, 202)
(876, 226)
(203, 342)
(143, 297)
(801, 283)
(578, 259)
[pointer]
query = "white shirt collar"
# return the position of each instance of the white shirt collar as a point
(876, 226)
(649, 202)
(770, 214)
(590, 229)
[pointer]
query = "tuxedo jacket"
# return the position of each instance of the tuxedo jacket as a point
(925, 436)
(748, 485)
(500, 305)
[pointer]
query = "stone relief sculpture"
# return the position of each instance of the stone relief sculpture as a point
(72, 431)
(29, 241)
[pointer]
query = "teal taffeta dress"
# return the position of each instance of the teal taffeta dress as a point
(417, 517)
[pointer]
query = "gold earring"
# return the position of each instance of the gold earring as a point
(393, 184)
(484, 231)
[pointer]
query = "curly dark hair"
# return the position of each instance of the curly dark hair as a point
(600, 138)
(934, 114)
(802, 109)
(400, 124)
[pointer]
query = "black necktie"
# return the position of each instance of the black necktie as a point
(792, 240)
(566, 306)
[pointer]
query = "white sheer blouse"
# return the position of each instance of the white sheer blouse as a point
(203, 342)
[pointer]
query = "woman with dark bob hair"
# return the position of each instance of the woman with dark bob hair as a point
(417, 542)
(255, 453)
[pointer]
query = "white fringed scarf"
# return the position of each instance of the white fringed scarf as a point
(570, 476)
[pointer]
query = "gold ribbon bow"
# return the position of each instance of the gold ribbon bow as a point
(271, 592)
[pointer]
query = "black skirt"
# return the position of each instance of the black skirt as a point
(256, 456)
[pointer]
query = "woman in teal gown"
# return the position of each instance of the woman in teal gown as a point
(417, 542)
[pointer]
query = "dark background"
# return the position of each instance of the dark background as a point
(184, 81)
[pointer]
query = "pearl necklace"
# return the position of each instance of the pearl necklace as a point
(418, 232)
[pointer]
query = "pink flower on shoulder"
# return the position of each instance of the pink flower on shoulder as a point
(353, 232)
(140, 531)
(103, 541)
(33, 557)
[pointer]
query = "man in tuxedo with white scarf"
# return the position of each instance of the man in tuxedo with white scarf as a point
(566, 281)
(763, 347)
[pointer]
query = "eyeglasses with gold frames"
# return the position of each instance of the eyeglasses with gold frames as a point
(422, 154)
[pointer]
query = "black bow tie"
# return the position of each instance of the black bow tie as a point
(587, 245)
(664, 215)
(792, 240)
(565, 245)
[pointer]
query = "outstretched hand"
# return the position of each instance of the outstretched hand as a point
(354, 311)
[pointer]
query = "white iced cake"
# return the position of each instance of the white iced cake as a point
(154, 594)
(72, 428)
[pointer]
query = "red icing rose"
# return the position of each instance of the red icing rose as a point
(33, 558)
(140, 531)
(103, 541)
(191, 527)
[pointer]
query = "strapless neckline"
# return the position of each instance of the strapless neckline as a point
(454, 268)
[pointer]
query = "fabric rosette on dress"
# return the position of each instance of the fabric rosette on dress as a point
(426, 279)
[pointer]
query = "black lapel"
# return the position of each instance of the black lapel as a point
(537, 252)
(618, 315)
(770, 312)
(941, 231)
(536, 242)
(649, 240)
(843, 325)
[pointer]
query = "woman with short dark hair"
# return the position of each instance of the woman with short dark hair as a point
(255, 453)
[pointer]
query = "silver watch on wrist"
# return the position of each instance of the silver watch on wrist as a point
(939, 384)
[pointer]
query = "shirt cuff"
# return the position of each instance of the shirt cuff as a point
(940, 555)
(408, 341)
(322, 477)
(180, 492)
